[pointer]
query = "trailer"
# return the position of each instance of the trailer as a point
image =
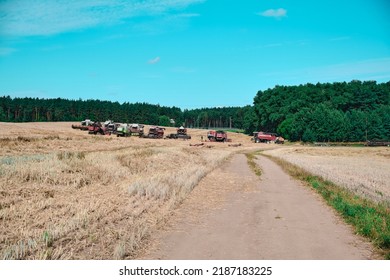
(267, 137)
(217, 136)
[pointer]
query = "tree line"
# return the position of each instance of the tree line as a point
(336, 112)
(51, 110)
(353, 111)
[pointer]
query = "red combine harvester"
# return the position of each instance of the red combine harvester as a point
(155, 132)
(217, 135)
(96, 128)
(83, 125)
(267, 137)
(109, 127)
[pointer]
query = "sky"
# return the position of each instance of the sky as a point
(187, 53)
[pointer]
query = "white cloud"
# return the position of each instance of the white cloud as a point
(154, 60)
(47, 17)
(278, 13)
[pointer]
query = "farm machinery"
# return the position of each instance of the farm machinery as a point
(83, 125)
(267, 137)
(181, 133)
(155, 132)
(96, 128)
(130, 130)
(123, 130)
(108, 127)
(137, 129)
(377, 143)
(217, 136)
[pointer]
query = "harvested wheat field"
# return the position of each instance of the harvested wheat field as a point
(364, 170)
(65, 194)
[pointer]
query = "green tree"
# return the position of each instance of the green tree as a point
(251, 122)
(164, 121)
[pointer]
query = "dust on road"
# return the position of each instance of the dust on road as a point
(233, 214)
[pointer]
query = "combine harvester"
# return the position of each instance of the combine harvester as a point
(155, 132)
(181, 133)
(108, 128)
(83, 125)
(96, 128)
(123, 130)
(134, 129)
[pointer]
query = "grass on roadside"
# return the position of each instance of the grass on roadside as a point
(252, 164)
(370, 219)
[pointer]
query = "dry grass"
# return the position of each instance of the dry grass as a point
(364, 171)
(68, 195)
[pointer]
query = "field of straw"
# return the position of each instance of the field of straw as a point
(65, 194)
(364, 170)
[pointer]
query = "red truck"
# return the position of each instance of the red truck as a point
(267, 137)
(217, 135)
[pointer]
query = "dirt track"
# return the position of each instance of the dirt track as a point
(232, 214)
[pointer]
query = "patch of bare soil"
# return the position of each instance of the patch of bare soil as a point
(232, 214)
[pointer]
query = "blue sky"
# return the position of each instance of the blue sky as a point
(188, 53)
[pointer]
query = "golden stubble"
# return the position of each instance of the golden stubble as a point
(364, 170)
(65, 194)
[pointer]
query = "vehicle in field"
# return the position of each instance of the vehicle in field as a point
(377, 143)
(217, 135)
(155, 132)
(136, 129)
(110, 127)
(211, 134)
(107, 128)
(83, 125)
(181, 133)
(267, 137)
(123, 130)
(96, 128)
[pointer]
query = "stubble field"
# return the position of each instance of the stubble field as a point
(364, 170)
(65, 194)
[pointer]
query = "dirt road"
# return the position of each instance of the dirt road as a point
(232, 214)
